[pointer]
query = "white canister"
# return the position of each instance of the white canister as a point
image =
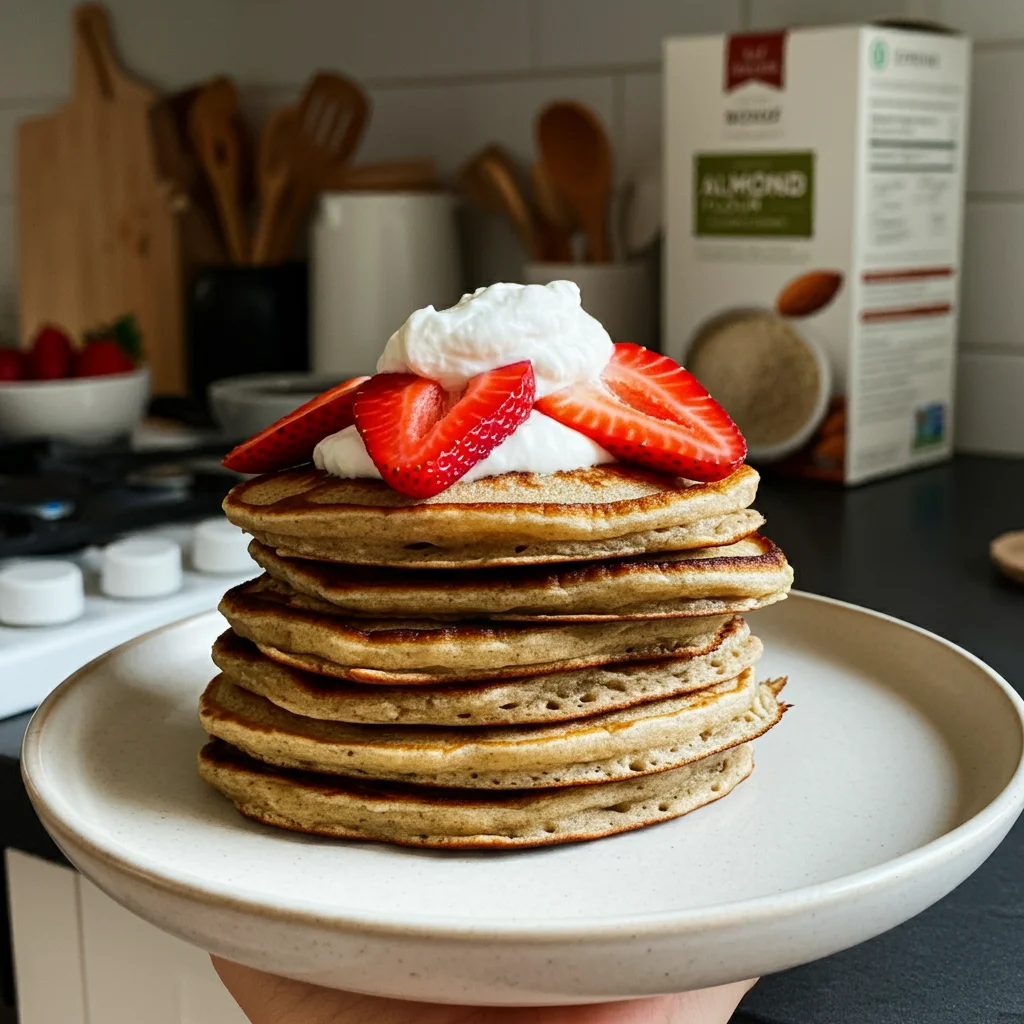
(619, 295)
(377, 257)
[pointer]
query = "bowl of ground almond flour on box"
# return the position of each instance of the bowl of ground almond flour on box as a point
(772, 378)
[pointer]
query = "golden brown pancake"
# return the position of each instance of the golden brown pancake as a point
(735, 578)
(317, 636)
(554, 697)
(465, 819)
(652, 737)
(516, 517)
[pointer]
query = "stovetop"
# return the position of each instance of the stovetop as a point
(67, 503)
(58, 497)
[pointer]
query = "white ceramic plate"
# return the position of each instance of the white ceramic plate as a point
(896, 773)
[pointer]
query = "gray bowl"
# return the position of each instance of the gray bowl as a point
(243, 406)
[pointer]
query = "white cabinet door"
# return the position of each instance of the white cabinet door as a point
(135, 973)
(43, 898)
(80, 958)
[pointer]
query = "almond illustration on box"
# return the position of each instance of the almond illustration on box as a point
(808, 294)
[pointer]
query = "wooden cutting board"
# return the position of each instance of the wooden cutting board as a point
(97, 232)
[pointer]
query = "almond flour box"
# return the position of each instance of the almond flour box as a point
(814, 207)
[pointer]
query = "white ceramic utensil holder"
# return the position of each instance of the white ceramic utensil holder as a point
(376, 257)
(620, 295)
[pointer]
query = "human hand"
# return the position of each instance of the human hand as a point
(267, 999)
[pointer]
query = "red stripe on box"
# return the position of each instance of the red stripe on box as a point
(917, 274)
(872, 316)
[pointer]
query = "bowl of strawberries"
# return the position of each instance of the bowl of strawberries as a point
(91, 392)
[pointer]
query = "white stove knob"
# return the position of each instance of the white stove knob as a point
(41, 594)
(221, 547)
(141, 567)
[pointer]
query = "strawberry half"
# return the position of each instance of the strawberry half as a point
(423, 439)
(648, 409)
(292, 438)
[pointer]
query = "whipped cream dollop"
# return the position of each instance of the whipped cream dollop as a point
(492, 327)
(498, 325)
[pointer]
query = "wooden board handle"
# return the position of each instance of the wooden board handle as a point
(95, 64)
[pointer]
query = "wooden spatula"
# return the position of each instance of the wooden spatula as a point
(330, 122)
(213, 124)
(273, 173)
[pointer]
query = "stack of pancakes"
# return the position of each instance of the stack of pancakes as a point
(518, 661)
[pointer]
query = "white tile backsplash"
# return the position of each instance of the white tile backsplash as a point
(983, 20)
(578, 33)
(640, 138)
(992, 299)
(268, 41)
(990, 410)
(451, 122)
(778, 13)
(996, 150)
(390, 38)
(448, 76)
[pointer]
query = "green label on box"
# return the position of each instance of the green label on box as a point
(754, 195)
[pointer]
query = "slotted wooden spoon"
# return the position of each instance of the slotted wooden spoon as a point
(329, 124)
(213, 124)
(577, 159)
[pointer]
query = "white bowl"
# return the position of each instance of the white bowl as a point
(88, 410)
(243, 406)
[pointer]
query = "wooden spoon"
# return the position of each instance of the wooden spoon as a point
(330, 122)
(273, 172)
(213, 124)
(577, 158)
(188, 189)
(489, 179)
(550, 202)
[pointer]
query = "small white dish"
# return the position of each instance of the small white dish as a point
(86, 410)
(896, 773)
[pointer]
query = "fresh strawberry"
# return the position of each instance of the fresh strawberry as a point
(292, 438)
(648, 409)
(102, 357)
(13, 364)
(52, 354)
(422, 439)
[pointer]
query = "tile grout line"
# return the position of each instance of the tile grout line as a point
(534, 74)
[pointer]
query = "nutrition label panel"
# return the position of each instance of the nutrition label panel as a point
(905, 313)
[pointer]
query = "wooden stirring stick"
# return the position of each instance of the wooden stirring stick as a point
(577, 159)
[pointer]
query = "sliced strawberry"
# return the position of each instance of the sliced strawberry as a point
(292, 438)
(648, 409)
(423, 439)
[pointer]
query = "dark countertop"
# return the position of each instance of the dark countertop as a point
(914, 546)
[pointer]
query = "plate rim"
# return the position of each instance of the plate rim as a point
(1003, 809)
